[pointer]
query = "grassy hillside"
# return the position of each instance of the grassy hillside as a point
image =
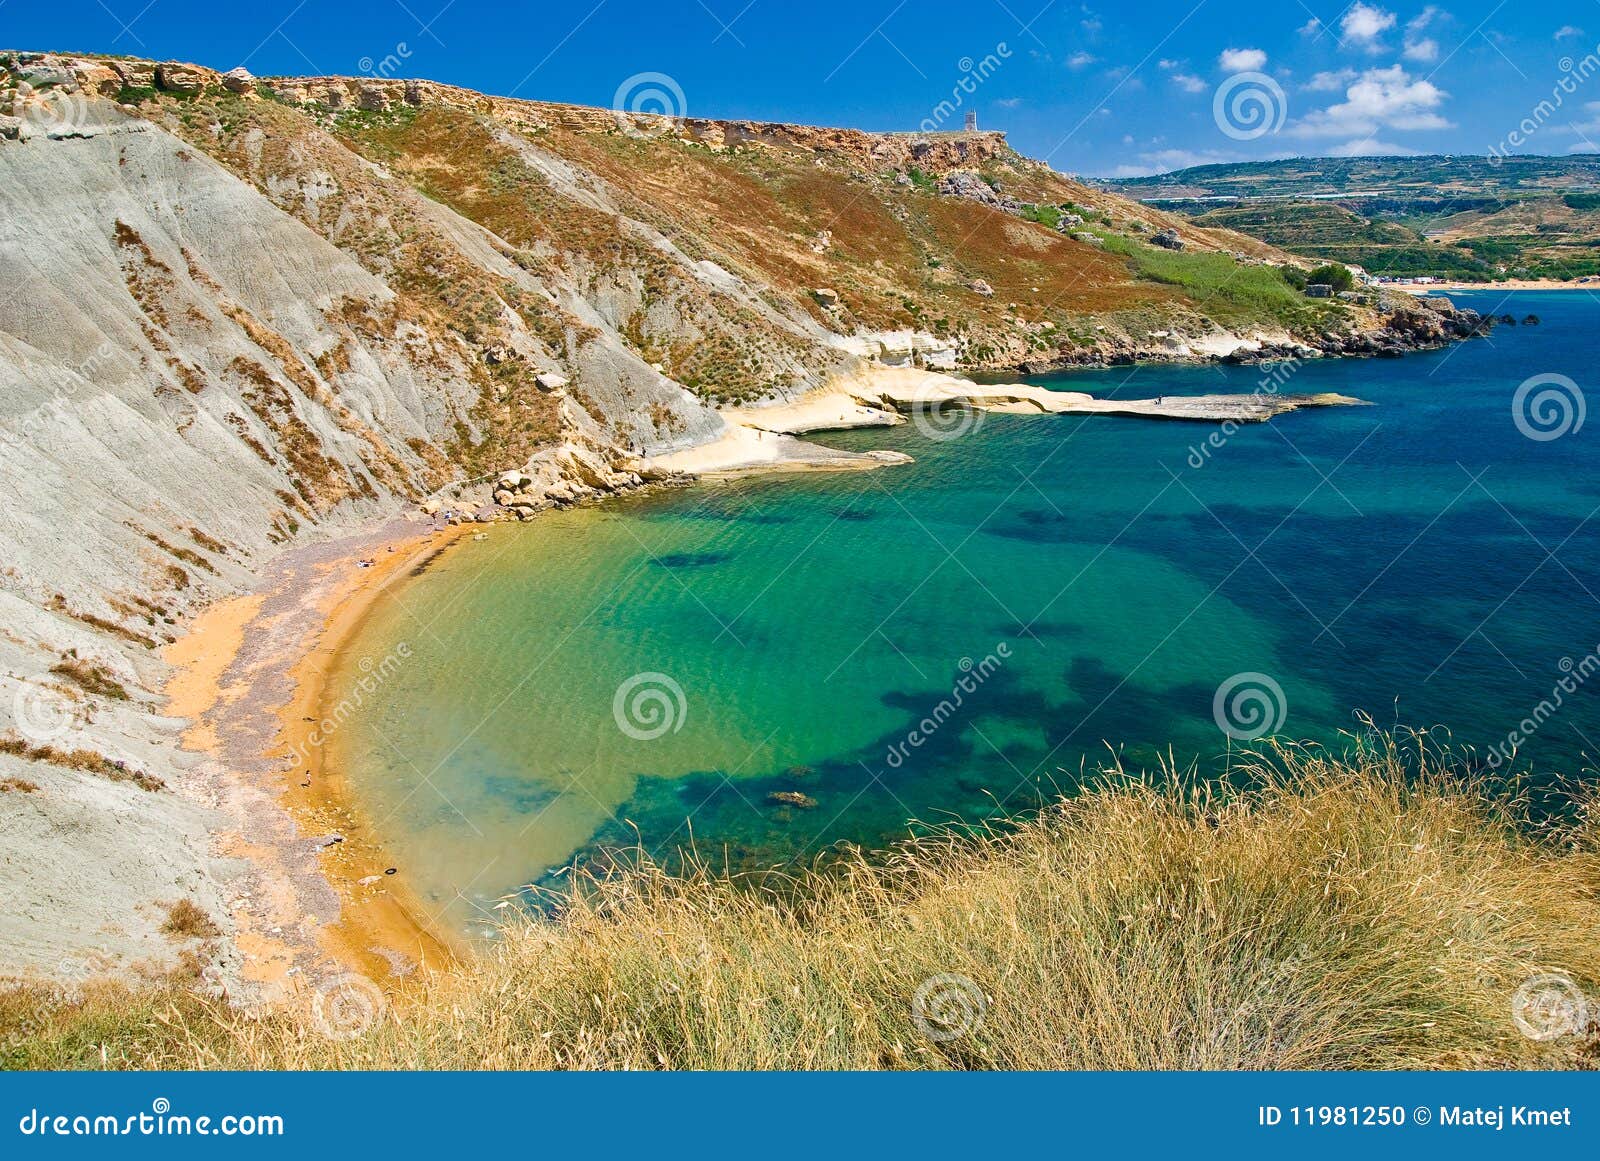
(1378, 912)
(1330, 232)
(1460, 217)
(786, 209)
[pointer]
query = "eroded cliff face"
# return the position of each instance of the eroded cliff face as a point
(243, 316)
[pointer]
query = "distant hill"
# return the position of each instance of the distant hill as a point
(1462, 217)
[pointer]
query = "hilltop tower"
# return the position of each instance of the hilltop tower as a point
(971, 124)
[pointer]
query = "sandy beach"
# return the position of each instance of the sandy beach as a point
(253, 679)
(1508, 284)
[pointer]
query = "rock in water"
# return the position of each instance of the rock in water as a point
(792, 798)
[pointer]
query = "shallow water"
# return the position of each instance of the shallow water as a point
(1081, 586)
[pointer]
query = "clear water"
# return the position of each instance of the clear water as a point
(1420, 560)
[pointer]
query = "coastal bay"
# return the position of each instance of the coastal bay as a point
(810, 623)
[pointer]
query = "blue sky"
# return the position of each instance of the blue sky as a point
(1093, 88)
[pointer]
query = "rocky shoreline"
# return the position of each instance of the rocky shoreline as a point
(1402, 324)
(760, 439)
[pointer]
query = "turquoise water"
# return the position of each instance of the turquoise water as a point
(1091, 581)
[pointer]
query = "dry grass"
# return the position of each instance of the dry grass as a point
(1372, 913)
(90, 677)
(187, 920)
(88, 761)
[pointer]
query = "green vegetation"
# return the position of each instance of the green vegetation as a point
(1220, 286)
(1044, 215)
(1334, 274)
(1323, 230)
(1377, 911)
(1464, 218)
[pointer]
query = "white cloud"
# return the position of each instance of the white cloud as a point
(1242, 60)
(1371, 147)
(1331, 82)
(1568, 32)
(1189, 83)
(1583, 127)
(1169, 65)
(1363, 24)
(1424, 50)
(1080, 60)
(1009, 102)
(1424, 18)
(1378, 99)
(1167, 160)
(1312, 27)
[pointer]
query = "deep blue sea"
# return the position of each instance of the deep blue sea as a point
(1040, 595)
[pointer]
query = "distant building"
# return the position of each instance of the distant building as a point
(971, 123)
